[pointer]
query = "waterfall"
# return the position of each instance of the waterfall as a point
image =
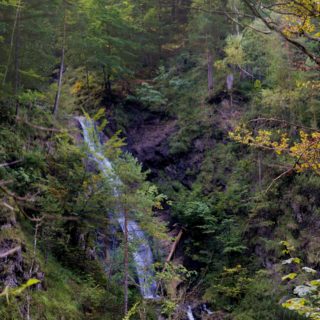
(142, 253)
(205, 309)
(190, 314)
(202, 308)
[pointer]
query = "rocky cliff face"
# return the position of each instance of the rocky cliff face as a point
(148, 136)
(15, 267)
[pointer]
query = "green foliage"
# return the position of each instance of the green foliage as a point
(306, 302)
(196, 214)
(234, 53)
(173, 271)
(260, 302)
(138, 196)
(132, 311)
(228, 288)
(151, 58)
(168, 307)
(289, 276)
(151, 97)
(7, 292)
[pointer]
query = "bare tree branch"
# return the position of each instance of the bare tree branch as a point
(38, 127)
(9, 252)
(274, 27)
(11, 42)
(8, 164)
(245, 25)
(284, 122)
(279, 177)
(15, 196)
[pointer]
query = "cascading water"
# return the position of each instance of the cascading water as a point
(205, 309)
(142, 254)
(202, 309)
(190, 314)
(143, 259)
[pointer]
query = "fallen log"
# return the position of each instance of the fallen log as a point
(173, 248)
(172, 251)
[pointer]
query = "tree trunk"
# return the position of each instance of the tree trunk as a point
(16, 64)
(230, 81)
(126, 261)
(160, 29)
(58, 95)
(35, 241)
(17, 16)
(106, 81)
(174, 11)
(260, 171)
(210, 71)
(104, 78)
(235, 9)
(87, 79)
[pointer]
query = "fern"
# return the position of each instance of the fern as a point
(132, 311)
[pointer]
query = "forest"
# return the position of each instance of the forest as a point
(159, 159)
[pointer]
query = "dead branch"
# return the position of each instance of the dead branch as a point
(25, 121)
(217, 12)
(10, 252)
(274, 27)
(35, 241)
(284, 122)
(172, 251)
(8, 164)
(292, 168)
(17, 15)
(279, 177)
(245, 25)
(8, 206)
(16, 197)
(174, 247)
(5, 182)
(246, 72)
(45, 216)
(59, 218)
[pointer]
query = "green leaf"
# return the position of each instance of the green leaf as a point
(100, 114)
(294, 304)
(17, 291)
(132, 311)
(289, 276)
(315, 283)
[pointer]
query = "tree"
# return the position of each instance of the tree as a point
(302, 155)
(62, 63)
(136, 198)
(295, 21)
(207, 32)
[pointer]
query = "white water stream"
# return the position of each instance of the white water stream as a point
(142, 254)
(204, 310)
(190, 314)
